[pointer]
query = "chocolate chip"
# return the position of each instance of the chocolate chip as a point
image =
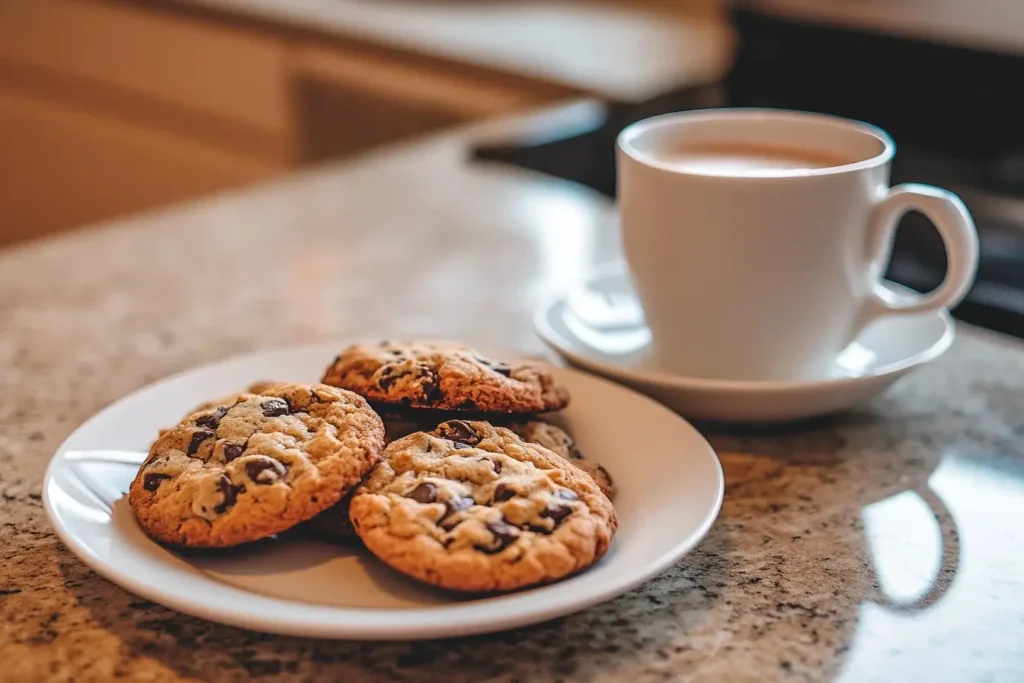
(275, 407)
(424, 493)
(497, 366)
(212, 420)
(459, 432)
(503, 493)
(197, 440)
(504, 535)
(495, 464)
(557, 513)
(152, 481)
(229, 491)
(260, 469)
(574, 452)
(432, 387)
(387, 377)
(232, 451)
(468, 404)
(453, 506)
(566, 494)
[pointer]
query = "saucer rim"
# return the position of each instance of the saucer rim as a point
(553, 339)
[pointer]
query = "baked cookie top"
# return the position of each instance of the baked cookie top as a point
(471, 507)
(444, 376)
(558, 441)
(400, 422)
(230, 399)
(252, 468)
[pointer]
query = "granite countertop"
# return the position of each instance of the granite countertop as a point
(625, 51)
(882, 545)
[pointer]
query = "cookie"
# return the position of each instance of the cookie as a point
(333, 525)
(400, 422)
(230, 399)
(250, 469)
(471, 507)
(556, 440)
(444, 376)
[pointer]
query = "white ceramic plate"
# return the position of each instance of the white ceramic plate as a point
(669, 480)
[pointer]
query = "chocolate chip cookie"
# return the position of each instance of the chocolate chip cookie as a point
(400, 422)
(556, 440)
(246, 470)
(333, 524)
(471, 507)
(444, 376)
(231, 399)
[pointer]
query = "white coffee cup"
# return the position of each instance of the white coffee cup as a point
(767, 270)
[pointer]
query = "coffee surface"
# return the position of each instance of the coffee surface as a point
(736, 159)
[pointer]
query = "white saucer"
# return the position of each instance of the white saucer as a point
(599, 327)
(666, 503)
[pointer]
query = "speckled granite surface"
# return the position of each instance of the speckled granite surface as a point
(884, 545)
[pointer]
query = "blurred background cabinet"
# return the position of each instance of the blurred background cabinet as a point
(109, 107)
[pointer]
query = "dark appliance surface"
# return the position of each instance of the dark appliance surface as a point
(954, 113)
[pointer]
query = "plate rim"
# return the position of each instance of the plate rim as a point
(556, 341)
(449, 624)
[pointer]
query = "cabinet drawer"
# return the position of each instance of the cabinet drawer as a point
(217, 70)
(61, 168)
(347, 101)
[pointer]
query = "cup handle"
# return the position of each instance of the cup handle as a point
(954, 224)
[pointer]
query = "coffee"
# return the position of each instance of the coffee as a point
(739, 159)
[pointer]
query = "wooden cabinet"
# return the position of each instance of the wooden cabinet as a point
(61, 168)
(220, 71)
(109, 107)
(347, 101)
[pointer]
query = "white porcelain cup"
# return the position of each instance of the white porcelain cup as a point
(770, 274)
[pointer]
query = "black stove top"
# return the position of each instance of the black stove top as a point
(954, 113)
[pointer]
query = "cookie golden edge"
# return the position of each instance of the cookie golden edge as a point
(458, 378)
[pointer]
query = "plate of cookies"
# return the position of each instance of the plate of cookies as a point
(392, 491)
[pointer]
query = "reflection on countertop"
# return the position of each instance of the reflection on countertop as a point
(970, 554)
